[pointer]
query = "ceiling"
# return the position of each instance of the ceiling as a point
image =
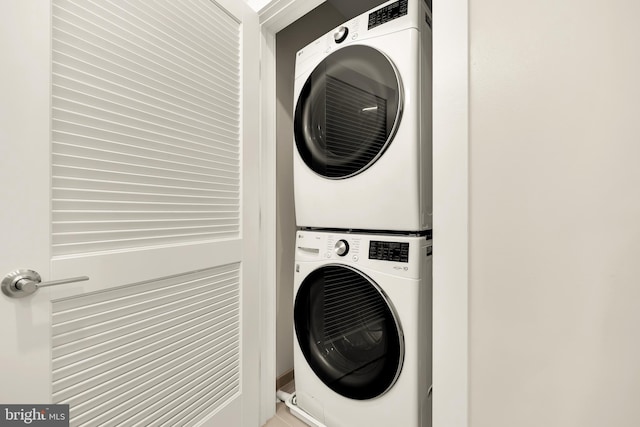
(258, 4)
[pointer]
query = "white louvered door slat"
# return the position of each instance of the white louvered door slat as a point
(100, 122)
(152, 335)
(137, 124)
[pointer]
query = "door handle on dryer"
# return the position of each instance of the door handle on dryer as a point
(23, 282)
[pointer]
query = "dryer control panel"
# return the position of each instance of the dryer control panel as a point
(390, 17)
(387, 13)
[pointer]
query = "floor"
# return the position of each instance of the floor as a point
(283, 417)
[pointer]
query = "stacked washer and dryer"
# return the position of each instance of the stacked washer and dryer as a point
(362, 180)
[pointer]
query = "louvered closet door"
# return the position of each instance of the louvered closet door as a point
(130, 155)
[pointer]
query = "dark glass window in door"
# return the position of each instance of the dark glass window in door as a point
(348, 111)
(348, 332)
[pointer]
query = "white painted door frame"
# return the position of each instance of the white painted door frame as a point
(451, 204)
(450, 213)
(273, 18)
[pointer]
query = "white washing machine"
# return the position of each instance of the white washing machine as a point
(362, 320)
(362, 123)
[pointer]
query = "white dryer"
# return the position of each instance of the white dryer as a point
(362, 320)
(362, 123)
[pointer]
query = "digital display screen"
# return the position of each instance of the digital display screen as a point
(387, 13)
(389, 251)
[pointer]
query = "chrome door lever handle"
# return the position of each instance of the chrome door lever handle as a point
(21, 283)
(28, 285)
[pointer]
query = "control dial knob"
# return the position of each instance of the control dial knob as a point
(341, 247)
(341, 34)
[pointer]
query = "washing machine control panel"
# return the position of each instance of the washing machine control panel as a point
(389, 251)
(341, 247)
(398, 255)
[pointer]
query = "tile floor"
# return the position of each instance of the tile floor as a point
(283, 418)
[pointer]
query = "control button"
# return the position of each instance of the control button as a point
(328, 50)
(355, 258)
(341, 248)
(341, 34)
(354, 36)
(327, 255)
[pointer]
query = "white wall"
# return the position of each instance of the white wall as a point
(288, 41)
(554, 213)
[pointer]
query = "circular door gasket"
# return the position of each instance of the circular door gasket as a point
(348, 112)
(348, 332)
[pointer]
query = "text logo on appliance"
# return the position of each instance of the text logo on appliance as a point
(36, 415)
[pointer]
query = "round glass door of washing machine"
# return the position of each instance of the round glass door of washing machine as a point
(348, 112)
(349, 332)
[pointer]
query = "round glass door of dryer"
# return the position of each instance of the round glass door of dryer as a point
(349, 332)
(348, 112)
